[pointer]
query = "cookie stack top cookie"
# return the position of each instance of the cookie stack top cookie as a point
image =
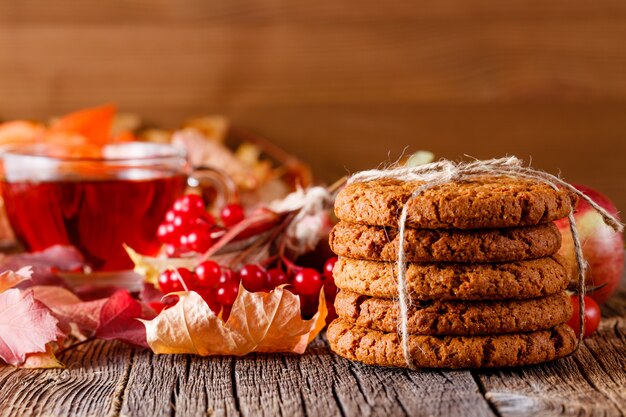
(484, 202)
(481, 267)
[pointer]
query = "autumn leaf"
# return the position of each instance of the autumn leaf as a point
(44, 264)
(118, 320)
(26, 326)
(258, 322)
(9, 279)
(94, 124)
(42, 360)
(71, 310)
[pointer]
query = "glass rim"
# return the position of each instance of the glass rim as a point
(160, 151)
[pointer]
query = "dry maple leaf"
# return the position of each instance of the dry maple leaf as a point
(26, 326)
(258, 322)
(71, 310)
(118, 320)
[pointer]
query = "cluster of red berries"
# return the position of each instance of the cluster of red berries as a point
(219, 286)
(188, 227)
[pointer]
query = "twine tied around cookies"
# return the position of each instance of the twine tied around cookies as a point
(445, 171)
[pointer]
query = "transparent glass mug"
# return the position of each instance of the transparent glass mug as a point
(97, 204)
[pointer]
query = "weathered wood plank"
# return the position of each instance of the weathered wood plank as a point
(590, 383)
(164, 385)
(95, 375)
(400, 392)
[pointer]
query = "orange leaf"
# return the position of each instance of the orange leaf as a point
(93, 123)
(258, 322)
(20, 132)
(42, 360)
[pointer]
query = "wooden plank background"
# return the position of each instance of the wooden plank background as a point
(343, 84)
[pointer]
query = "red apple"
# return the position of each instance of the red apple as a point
(603, 248)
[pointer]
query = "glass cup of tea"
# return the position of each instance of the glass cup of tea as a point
(96, 203)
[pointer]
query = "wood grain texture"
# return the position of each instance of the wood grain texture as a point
(90, 385)
(107, 378)
(340, 84)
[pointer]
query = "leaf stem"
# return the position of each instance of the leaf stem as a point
(75, 345)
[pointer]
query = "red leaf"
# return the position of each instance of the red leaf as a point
(118, 320)
(69, 309)
(44, 264)
(26, 326)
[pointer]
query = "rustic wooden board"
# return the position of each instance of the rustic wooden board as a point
(111, 379)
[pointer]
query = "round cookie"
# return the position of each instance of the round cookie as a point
(455, 281)
(456, 318)
(383, 349)
(485, 202)
(427, 245)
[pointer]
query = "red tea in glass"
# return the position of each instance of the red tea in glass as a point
(96, 204)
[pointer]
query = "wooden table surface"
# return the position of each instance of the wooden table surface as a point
(112, 379)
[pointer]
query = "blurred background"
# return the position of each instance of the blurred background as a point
(345, 85)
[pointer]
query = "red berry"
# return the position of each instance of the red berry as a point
(275, 277)
(187, 277)
(171, 251)
(198, 239)
(169, 282)
(227, 276)
(232, 214)
(208, 274)
(163, 233)
(181, 222)
(190, 204)
(308, 281)
(227, 294)
(252, 277)
(209, 297)
(169, 216)
(592, 316)
(328, 267)
(206, 218)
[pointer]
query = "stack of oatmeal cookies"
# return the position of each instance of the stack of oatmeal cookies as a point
(486, 285)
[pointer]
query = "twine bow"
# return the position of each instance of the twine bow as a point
(445, 171)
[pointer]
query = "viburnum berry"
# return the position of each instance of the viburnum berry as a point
(232, 214)
(191, 205)
(169, 282)
(163, 234)
(187, 277)
(252, 277)
(198, 238)
(208, 274)
(328, 267)
(169, 216)
(209, 297)
(275, 277)
(227, 294)
(227, 276)
(308, 281)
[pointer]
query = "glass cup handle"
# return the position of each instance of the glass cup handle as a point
(217, 188)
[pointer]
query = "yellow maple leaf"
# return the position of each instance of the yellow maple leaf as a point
(258, 322)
